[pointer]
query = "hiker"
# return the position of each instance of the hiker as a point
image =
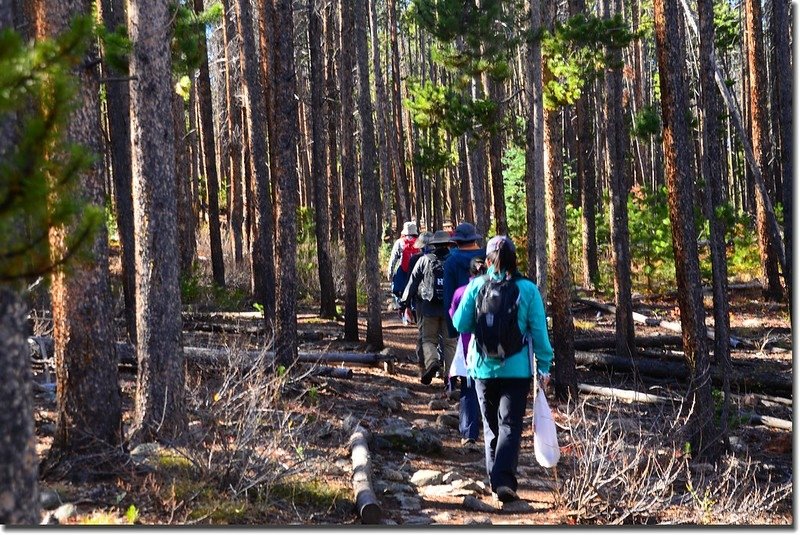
(502, 309)
(427, 284)
(456, 268)
(400, 257)
(468, 410)
(421, 244)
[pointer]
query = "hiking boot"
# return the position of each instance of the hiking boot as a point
(506, 494)
(427, 377)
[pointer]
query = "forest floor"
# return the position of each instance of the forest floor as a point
(299, 470)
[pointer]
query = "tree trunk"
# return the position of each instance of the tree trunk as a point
(370, 187)
(534, 155)
(287, 198)
(187, 244)
(18, 459)
(350, 180)
(761, 147)
(209, 149)
(700, 429)
(332, 112)
(783, 71)
(119, 131)
(327, 302)
(383, 121)
(712, 171)
(262, 245)
(88, 398)
(494, 91)
(234, 123)
(615, 163)
(396, 145)
(565, 378)
(159, 410)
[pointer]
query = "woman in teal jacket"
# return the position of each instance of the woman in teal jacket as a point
(503, 385)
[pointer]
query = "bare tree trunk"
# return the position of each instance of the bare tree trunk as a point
(119, 131)
(287, 199)
(494, 91)
(615, 163)
(159, 410)
(401, 176)
(370, 187)
(88, 397)
(383, 120)
(332, 112)
(212, 181)
(700, 429)
(327, 302)
(350, 180)
(187, 244)
(712, 171)
(565, 378)
(761, 146)
(262, 245)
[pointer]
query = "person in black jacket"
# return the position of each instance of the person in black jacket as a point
(427, 285)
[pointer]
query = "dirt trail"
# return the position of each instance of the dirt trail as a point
(393, 470)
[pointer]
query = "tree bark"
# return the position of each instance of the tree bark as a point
(383, 121)
(332, 113)
(494, 90)
(327, 302)
(262, 245)
(396, 145)
(287, 198)
(370, 187)
(615, 163)
(19, 462)
(119, 131)
(88, 398)
(759, 132)
(187, 244)
(209, 149)
(350, 180)
(565, 378)
(159, 413)
(700, 430)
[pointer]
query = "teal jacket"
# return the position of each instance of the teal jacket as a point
(532, 323)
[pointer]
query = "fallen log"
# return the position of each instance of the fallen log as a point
(768, 421)
(619, 393)
(674, 326)
(365, 498)
(742, 380)
(337, 372)
(610, 342)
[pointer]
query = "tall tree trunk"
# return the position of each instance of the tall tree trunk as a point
(565, 378)
(383, 120)
(467, 213)
(159, 410)
(712, 171)
(234, 123)
(262, 243)
(287, 199)
(615, 162)
(370, 187)
(209, 149)
(187, 244)
(396, 145)
(350, 180)
(18, 459)
(332, 112)
(700, 428)
(87, 383)
(327, 301)
(761, 147)
(783, 70)
(494, 90)
(534, 157)
(119, 131)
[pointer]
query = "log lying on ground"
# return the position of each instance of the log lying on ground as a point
(337, 372)
(126, 354)
(742, 380)
(619, 393)
(610, 342)
(768, 421)
(674, 326)
(366, 500)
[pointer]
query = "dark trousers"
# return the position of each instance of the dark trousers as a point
(468, 410)
(502, 403)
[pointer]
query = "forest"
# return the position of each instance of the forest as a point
(198, 206)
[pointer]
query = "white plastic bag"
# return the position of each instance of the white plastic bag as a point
(458, 368)
(545, 440)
